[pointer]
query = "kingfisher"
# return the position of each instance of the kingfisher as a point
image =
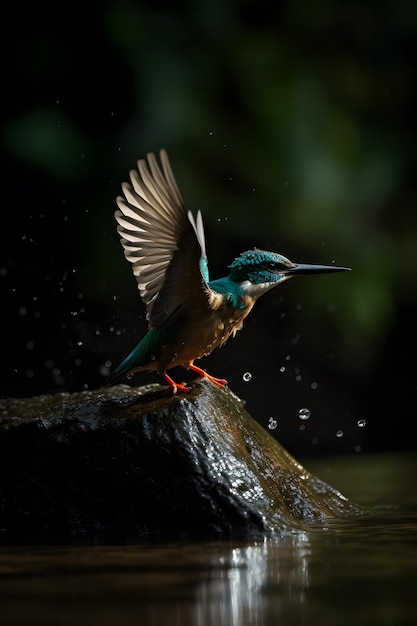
(188, 314)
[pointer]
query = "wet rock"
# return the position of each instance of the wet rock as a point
(131, 464)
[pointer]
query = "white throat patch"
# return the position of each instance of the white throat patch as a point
(256, 290)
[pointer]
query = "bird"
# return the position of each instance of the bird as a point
(188, 314)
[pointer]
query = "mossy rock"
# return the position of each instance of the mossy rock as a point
(134, 464)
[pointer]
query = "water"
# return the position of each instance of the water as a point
(358, 573)
(304, 414)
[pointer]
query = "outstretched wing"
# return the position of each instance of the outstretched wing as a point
(162, 241)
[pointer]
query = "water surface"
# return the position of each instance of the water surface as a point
(360, 572)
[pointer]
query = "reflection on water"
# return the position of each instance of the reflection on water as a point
(240, 594)
(357, 573)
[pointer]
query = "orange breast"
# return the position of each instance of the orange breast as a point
(202, 334)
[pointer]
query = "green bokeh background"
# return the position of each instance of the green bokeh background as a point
(290, 125)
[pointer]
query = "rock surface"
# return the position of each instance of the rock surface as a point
(134, 464)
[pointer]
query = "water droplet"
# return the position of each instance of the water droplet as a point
(272, 424)
(361, 423)
(153, 357)
(339, 433)
(282, 369)
(304, 414)
(247, 376)
(314, 385)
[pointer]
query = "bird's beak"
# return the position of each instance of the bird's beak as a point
(304, 268)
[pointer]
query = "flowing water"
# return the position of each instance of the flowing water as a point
(360, 572)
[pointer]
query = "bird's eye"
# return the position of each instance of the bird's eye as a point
(273, 266)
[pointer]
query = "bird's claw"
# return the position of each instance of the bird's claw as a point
(180, 387)
(175, 387)
(220, 382)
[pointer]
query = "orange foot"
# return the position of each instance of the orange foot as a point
(176, 386)
(220, 382)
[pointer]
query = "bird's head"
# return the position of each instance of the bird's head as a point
(258, 271)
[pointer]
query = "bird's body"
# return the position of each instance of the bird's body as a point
(189, 315)
(188, 339)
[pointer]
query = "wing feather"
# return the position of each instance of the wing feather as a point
(162, 241)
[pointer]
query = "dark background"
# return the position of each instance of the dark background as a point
(291, 126)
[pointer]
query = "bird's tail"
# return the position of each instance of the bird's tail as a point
(121, 370)
(142, 357)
